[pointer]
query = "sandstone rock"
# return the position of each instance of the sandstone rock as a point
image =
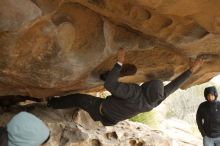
(180, 132)
(54, 47)
(67, 130)
(15, 14)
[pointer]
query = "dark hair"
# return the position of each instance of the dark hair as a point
(46, 139)
(210, 90)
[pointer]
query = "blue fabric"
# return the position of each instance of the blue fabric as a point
(208, 141)
(25, 129)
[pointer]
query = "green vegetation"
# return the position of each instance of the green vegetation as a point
(148, 118)
(170, 114)
(195, 130)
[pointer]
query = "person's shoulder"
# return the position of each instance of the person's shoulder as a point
(203, 104)
(217, 102)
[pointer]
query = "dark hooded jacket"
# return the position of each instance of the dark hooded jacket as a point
(208, 115)
(127, 99)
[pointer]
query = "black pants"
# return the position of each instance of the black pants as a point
(86, 102)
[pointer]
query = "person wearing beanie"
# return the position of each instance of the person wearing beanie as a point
(127, 99)
(24, 129)
(208, 118)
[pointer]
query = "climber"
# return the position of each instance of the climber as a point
(127, 99)
(24, 129)
(208, 118)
